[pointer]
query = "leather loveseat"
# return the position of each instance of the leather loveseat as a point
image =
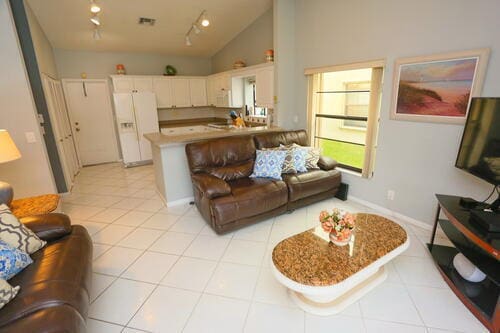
(228, 199)
(54, 294)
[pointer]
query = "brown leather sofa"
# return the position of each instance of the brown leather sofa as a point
(228, 199)
(54, 294)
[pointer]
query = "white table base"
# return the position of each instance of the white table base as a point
(324, 307)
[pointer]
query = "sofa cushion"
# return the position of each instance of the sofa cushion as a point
(227, 158)
(306, 184)
(268, 164)
(12, 260)
(275, 139)
(60, 274)
(7, 292)
(249, 197)
(16, 234)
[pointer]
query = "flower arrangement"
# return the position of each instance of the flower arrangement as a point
(339, 224)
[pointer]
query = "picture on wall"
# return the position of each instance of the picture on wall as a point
(437, 88)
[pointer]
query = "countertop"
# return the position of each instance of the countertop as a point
(161, 140)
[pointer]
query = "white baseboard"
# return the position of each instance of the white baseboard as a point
(389, 212)
(180, 202)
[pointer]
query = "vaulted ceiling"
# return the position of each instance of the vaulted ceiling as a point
(67, 26)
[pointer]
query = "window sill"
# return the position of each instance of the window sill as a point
(354, 173)
(361, 129)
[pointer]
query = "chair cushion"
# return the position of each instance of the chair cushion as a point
(249, 197)
(60, 274)
(303, 185)
(269, 164)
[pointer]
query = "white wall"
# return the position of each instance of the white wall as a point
(99, 65)
(249, 45)
(414, 159)
(31, 174)
(43, 48)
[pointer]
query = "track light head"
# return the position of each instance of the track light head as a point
(94, 19)
(94, 8)
(196, 29)
(97, 34)
(188, 41)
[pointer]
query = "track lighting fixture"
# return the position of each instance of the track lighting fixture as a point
(94, 8)
(97, 34)
(201, 21)
(94, 19)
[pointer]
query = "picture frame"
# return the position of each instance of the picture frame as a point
(437, 88)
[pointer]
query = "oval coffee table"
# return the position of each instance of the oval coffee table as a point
(323, 278)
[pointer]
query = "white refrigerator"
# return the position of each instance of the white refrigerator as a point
(136, 114)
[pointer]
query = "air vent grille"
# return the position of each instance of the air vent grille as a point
(147, 21)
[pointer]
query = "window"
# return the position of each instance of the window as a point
(343, 112)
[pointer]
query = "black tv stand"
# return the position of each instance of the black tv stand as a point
(477, 245)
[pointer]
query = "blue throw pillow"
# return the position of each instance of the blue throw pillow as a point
(299, 159)
(12, 260)
(268, 164)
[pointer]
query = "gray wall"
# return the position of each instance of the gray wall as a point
(414, 159)
(249, 45)
(31, 174)
(99, 65)
(43, 48)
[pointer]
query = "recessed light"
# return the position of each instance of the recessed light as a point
(94, 19)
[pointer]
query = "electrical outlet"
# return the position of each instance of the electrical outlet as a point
(391, 194)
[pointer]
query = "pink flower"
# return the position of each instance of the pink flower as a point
(323, 215)
(327, 226)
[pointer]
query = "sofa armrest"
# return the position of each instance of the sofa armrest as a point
(48, 226)
(210, 186)
(327, 163)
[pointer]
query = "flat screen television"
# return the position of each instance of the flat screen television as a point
(479, 152)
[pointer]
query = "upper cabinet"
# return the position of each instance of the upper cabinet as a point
(264, 87)
(124, 84)
(198, 92)
(219, 90)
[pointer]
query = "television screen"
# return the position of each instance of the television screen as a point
(479, 152)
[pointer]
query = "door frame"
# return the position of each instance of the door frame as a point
(71, 115)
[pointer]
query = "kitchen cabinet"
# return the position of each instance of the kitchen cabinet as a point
(198, 91)
(180, 93)
(129, 84)
(264, 87)
(162, 87)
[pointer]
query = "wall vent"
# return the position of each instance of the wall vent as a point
(147, 21)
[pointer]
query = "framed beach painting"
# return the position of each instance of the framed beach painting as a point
(437, 88)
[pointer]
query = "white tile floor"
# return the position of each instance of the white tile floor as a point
(159, 269)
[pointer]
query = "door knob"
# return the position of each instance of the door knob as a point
(77, 129)
(76, 123)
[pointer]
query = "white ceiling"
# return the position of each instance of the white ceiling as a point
(67, 26)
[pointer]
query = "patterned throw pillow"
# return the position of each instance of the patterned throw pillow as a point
(289, 163)
(312, 156)
(268, 164)
(16, 234)
(7, 292)
(12, 260)
(300, 159)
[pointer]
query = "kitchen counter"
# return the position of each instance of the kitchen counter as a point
(161, 140)
(172, 177)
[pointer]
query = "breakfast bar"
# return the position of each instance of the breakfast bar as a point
(169, 158)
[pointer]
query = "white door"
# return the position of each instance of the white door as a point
(198, 91)
(162, 87)
(66, 125)
(180, 93)
(146, 117)
(91, 120)
(127, 130)
(142, 84)
(49, 89)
